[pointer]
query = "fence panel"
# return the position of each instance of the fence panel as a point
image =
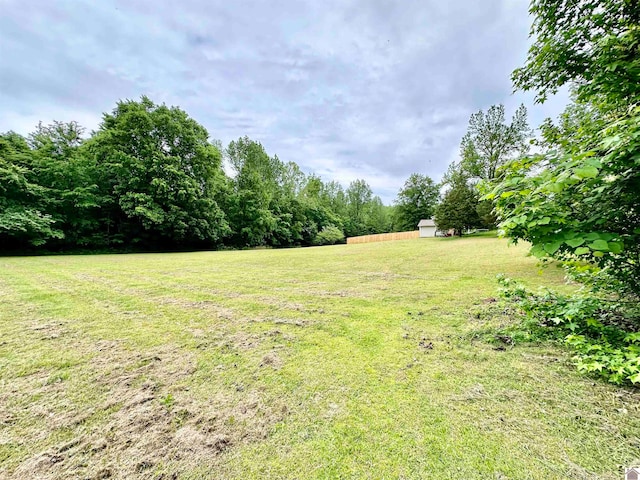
(384, 237)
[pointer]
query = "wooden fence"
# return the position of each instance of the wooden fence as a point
(384, 237)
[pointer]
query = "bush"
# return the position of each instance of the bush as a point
(602, 332)
(329, 235)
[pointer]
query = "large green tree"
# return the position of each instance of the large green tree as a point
(592, 44)
(323, 210)
(254, 189)
(378, 218)
(24, 219)
(160, 176)
(416, 201)
(458, 208)
(358, 197)
(59, 164)
(490, 141)
(579, 199)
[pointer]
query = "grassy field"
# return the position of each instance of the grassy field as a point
(335, 362)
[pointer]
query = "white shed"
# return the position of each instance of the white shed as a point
(427, 228)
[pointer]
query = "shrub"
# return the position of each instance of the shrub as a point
(603, 333)
(329, 235)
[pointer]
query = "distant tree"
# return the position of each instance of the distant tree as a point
(458, 208)
(490, 142)
(272, 203)
(60, 165)
(160, 174)
(378, 218)
(319, 202)
(358, 197)
(359, 194)
(250, 209)
(416, 201)
(291, 178)
(24, 219)
(59, 138)
(335, 198)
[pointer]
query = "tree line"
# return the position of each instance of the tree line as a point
(150, 178)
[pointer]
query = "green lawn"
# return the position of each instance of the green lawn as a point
(332, 362)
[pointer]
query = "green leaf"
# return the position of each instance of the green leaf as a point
(586, 172)
(594, 162)
(596, 366)
(599, 245)
(575, 242)
(632, 337)
(616, 247)
(544, 221)
(552, 247)
(609, 141)
(582, 250)
(592, 322)
(538, 251)
(553, 187)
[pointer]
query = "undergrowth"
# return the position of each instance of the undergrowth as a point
(601, 331)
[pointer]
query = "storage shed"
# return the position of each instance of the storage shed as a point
(427, 228)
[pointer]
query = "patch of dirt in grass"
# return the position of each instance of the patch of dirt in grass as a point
(220, 311)
(472, 393)
(333, 410)
(334, 294)
(149, 425)
(240, 341)
(272, 360)
(49, 330)
(284, 305)
(388, 275)
(289, 321)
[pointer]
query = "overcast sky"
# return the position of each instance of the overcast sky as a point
(347, 89)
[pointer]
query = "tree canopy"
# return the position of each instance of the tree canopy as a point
(151, 178)
(416, 201)
(490, 142)
(577, 201)
(23, 206)
(592, 43)
(458, 208)
(160, 173)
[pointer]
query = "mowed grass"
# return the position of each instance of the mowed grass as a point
(353, 361)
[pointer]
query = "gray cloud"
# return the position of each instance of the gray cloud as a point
(370, 89)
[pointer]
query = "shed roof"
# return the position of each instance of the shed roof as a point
(427, 223)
